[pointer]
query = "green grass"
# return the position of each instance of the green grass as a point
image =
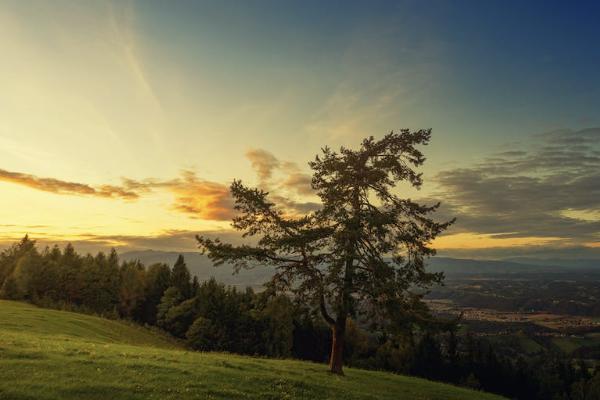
(47, 354)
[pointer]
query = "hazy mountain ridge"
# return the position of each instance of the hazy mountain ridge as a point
(582, 263)
(201, 266)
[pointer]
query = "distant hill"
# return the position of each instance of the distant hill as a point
(458, 266)
(47, 354)
(202, 267)
(589, 263)
(526, 268)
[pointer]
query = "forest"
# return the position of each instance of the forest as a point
(209, 316)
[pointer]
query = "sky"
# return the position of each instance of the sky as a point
(123, 123)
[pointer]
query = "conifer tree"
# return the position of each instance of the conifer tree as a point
(364, 250)
(181, 278)
(158, 280)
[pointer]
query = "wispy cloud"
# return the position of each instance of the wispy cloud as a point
(377, 86)
(64, 187)
(196, 197)
(193, 196)
(120, 28)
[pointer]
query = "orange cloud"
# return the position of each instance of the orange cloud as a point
(193, 196)
(64, 187)
(201, 199)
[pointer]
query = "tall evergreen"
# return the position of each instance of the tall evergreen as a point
(362, 251)
(181, 278)
(157, 281)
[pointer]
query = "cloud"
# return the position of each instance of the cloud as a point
(266, 165)
(196, 197)
(290, 188)
(64, 187)
(202, 199)
(295, 208)
(376, 86)
(550, 190)
(263, 162)
(299, 182)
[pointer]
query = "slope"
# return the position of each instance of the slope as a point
(46, 354)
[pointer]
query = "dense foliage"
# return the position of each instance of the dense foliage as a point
(210, 316)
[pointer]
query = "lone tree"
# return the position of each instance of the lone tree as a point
(362, 253)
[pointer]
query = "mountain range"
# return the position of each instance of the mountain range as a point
(201, 266)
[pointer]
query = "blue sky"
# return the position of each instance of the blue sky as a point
(479, 73)
(536, 60)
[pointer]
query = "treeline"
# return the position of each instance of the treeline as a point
(207, 315)
(211, 316)
(479, 364)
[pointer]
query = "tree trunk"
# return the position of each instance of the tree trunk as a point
(336, 358)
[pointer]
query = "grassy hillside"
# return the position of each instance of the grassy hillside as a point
(46, 354)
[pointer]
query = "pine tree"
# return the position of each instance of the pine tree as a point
(362, 251)
(181, 278)
(132, 288)
(157, 281)
(10, 256)
(10, 290)
(195, 286)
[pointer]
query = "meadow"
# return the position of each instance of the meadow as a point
(49, 354)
